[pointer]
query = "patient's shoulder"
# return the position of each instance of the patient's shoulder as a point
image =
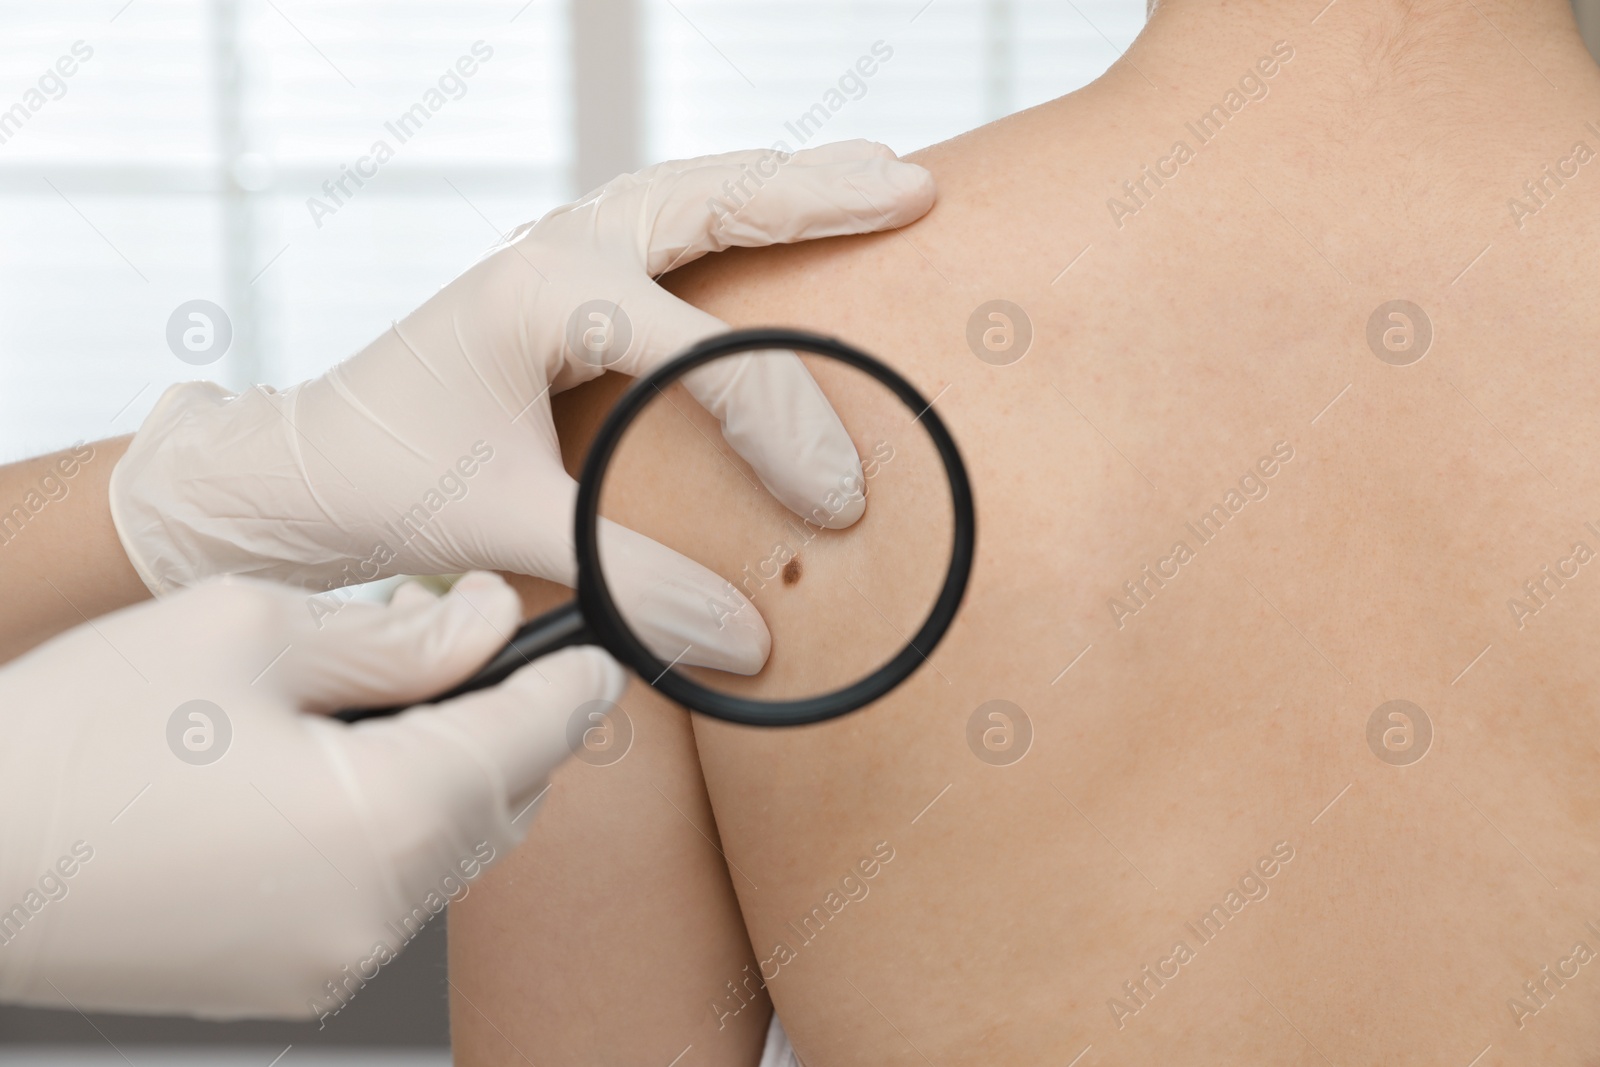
(1008, 195)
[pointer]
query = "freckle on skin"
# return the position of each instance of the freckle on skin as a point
(791, 571)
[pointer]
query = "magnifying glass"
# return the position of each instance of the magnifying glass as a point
(853, 613)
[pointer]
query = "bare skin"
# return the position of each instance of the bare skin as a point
(564, 967)
(1214, 734)
(61, 562)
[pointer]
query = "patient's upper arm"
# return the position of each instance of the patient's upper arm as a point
(605, 936)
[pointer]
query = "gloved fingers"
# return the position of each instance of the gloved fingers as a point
(522, 726)
(683, 209)
(680, 610)
(439, 788)
(676, 606)
(770, 408)
(366, 655)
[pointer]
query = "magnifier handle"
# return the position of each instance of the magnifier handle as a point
(554, 630)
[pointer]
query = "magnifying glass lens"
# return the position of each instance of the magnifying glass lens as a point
(839, 599)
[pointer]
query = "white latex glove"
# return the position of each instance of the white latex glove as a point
(133, 878)
(311, 485)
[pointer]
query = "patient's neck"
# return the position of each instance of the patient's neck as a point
(1418, 15)
(1367, 119)
(1379, 47)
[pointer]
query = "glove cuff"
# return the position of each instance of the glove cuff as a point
(140, 517)
(186, 498)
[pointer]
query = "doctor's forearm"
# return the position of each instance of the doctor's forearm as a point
(60, 559)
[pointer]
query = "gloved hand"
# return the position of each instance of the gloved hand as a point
(231, 858)
(433, 450)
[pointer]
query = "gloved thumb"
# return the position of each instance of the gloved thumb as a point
(529, 723)
(440, 786)
(370, 655)
(684, 612)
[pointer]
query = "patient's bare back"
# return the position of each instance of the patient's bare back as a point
(1267, 732)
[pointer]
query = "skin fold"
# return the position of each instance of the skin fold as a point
(1392, 528)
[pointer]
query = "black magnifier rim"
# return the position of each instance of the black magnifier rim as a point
(605, 620)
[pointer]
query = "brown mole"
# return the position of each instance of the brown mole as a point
(791, 571)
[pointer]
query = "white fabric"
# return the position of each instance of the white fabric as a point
(311, 485)
(777, 1052)
(234, 857)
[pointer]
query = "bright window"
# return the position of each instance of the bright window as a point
(185, 156)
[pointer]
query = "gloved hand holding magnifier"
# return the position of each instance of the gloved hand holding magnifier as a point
(921, 496)
(434, 450)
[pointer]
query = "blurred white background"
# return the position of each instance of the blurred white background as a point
(177, 161)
